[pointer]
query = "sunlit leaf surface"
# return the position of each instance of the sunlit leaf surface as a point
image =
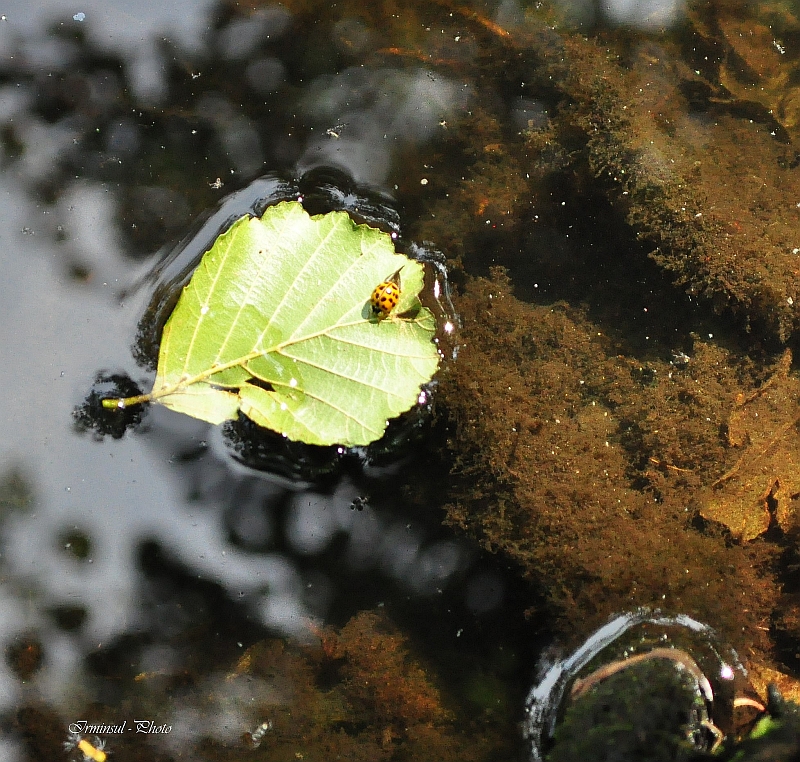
(276, 322)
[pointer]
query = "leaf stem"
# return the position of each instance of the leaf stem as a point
(120, 403)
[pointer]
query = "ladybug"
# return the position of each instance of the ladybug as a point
(386, 295)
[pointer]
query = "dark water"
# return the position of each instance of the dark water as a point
(132, 131)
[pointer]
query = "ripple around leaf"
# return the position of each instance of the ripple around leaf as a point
(276, 323)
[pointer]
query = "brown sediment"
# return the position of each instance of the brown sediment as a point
(580, 450)
(361, 695)
(555, 438)
(715, 195)
(706, 182)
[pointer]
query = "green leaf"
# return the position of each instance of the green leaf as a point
(276, 322)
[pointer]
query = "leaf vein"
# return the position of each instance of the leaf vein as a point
(368, 347)
(340, 375)
(290, 291)
(200, 320)
(327, 404)
(245, 303)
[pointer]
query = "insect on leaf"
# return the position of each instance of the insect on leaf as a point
(276, 322)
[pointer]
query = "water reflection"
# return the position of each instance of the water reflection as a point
(364, 116)
(646, 15)
(150, 561)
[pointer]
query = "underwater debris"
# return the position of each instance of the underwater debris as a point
(94, 751)
(361, 692)
(257, 736)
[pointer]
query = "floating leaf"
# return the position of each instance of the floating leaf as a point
(276, 322)
(764, 425)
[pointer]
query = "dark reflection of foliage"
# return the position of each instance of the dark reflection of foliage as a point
(194, 616)
(76, 543)
(329, 700)
(164, 162)
(25, 655)
(16, 492)
(41, 730)
(92, 416)
(69, 618)
(267, 450)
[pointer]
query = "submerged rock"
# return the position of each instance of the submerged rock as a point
(645, 686)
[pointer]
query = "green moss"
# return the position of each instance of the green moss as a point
(638, 714)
